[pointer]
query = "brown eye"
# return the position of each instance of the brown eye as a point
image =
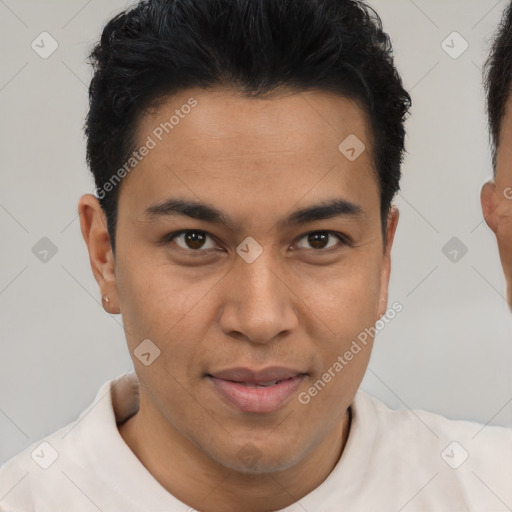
(319, 240)
(194, 241)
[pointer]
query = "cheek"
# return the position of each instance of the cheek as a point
(347, 295)
(172, 306)
(347, 307)
(154, 298)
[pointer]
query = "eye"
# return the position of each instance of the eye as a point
(319, 240)
(192, 241)
(195, 242)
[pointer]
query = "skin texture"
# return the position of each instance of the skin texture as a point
(496, 198)
(257, 160)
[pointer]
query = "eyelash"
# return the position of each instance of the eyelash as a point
(344, 239)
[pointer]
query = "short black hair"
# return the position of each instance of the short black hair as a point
(498, 78)
(159, 47)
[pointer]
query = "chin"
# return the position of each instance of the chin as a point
(258, 460)
(263, 466)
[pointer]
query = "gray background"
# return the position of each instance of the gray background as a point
(449, 350)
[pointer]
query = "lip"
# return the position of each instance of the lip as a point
(238, 386)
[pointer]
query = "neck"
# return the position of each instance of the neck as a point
(199, 481)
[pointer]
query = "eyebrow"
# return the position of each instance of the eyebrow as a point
(327, 209)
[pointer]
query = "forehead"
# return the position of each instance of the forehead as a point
(279, 148)
(223, 122)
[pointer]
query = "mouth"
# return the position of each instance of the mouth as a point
(260, 391)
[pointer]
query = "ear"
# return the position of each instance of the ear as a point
(489, 202)
(93, 224)
(392, 223)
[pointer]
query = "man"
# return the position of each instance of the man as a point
(496, 194)
(246, 154)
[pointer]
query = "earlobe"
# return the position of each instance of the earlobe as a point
(489, 203)
(94, 231)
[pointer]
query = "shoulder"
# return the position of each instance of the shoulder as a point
(41, 477)
(428, 424)
(469, 461)
(422, 428)
(32, 472)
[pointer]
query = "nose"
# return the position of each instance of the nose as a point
(259, 304)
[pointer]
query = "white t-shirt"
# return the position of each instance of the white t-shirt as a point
(393, 461)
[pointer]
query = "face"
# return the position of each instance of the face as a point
(496, 198)
(239, 288)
